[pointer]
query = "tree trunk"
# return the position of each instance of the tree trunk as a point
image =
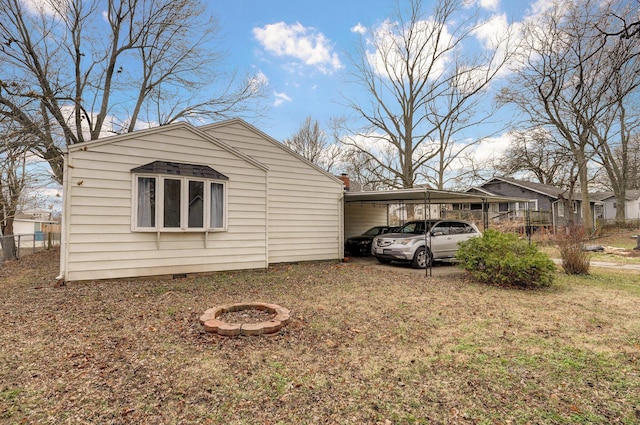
(587, 214)
(9, 251)
(621, 207)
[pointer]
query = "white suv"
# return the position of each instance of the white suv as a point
(421, 242)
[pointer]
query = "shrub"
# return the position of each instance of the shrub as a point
(575, 260)
(502, 259)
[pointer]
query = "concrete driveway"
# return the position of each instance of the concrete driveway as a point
(439, 269)
(607, 264)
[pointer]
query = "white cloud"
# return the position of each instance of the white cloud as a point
(492, 5)
(280, 98)
(479, 155)
(258, 81)
(359, 28)
(112, 124)
(491, 32)
(390, 54)
(498, 35)
(492, 147)
(69, 112)
(39, 6)
(305, 44)
(375, 142)
(540, 6)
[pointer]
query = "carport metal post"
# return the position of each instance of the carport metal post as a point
(527, 223)
(427, 203)
(485, 213)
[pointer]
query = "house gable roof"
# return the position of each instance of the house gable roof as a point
(543, 189)
(476, 189)
(602, 196)
(164, 128)
(271, 140)
(630, 195)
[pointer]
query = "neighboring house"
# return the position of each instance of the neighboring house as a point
(610, 205)
(33, 222)
(547, 205)
(401, 213)
(180, 199)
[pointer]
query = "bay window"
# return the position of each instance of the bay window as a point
(192, 198)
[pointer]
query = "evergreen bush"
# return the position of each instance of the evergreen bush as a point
(503, 259)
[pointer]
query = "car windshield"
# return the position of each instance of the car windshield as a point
(374, 231)
(415, 227)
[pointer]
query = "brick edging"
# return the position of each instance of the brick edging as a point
(211, 323)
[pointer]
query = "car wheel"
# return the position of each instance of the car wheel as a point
(383, 260)
(422, 258)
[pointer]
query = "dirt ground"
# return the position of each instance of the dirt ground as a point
(366, 344)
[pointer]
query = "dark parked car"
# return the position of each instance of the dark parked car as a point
(361, 245)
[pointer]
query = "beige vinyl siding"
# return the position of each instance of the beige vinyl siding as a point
(304, 203)
(100, 243)
(358, 218)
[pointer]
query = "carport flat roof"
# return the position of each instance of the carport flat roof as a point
(423, 195)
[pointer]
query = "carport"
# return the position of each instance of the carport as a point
(366, 209)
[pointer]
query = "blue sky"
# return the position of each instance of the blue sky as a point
(302, 48)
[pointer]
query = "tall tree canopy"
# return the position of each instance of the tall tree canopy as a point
(422, 74)
(75, 70)
(581, 85)
(310, 142)
(536, 153)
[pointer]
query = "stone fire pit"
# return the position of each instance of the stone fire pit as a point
(210, 319)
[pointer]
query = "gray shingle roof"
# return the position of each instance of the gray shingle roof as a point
(630, 195)
(179, 169)
(545, 189)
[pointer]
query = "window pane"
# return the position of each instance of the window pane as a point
(172, 203)
(146, 202)
(196, 204)
(217, 206)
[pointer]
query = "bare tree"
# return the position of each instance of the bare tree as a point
(13, 180)
(614, 130)
(627, 23)
(422, 92)
(86, 68)
(566, 80)
(361, 169)
(581, 86)
(632, 155)
(633, 163)
(310, 142)
(537, 153)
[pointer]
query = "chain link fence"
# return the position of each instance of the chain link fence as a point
(28, 244)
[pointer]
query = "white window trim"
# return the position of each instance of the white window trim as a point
(184, 204)
(560, 209)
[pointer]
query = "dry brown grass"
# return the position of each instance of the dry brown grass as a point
(618, 244)
(364, 346)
